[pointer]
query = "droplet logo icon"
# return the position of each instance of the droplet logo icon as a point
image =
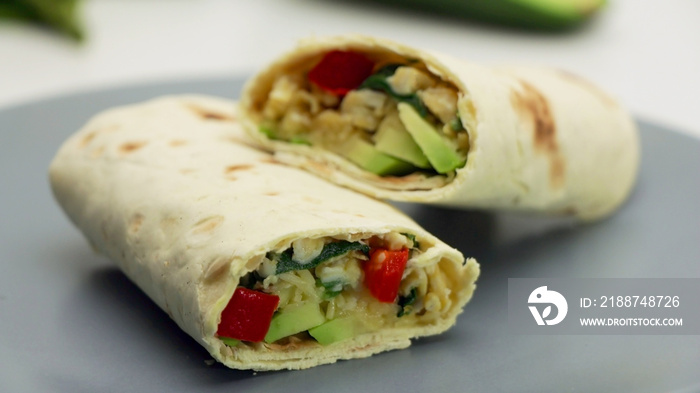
(542, 296)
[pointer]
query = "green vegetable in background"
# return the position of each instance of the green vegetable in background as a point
(60, 15)
(550, 15)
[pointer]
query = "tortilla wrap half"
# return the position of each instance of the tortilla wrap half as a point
(517, 138)
(170, 192)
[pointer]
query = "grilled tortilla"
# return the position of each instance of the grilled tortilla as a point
(404, 124)
(170, 192)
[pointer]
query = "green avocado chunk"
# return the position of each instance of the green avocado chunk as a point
(231, 342)
(393, 139)
(442, 156)
(335, 330)
(294, 319)
(362, 153)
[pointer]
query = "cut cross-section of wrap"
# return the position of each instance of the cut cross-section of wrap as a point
(267, 266)
(405, 124)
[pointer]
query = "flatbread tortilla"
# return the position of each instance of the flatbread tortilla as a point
(531, 139)
(170, 192)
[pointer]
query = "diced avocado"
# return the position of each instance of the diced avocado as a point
(442, 156)
(294, 319)
(335, 330)
(267, 131)
(231, 342)
(393, 139)
(299, 140)
(369, 158)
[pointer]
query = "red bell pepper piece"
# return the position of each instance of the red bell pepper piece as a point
(338, 72)
(248, 314)
(383, 273)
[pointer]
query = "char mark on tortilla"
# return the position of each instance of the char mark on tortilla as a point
(532, 105)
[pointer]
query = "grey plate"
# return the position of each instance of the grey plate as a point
(71, 322)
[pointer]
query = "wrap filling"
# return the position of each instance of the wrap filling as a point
(326, 290)
(387, 114)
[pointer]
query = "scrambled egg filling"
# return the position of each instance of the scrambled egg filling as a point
(298, 111)
(337, 285)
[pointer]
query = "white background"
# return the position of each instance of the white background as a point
(647, 53)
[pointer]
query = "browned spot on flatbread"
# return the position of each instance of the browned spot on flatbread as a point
(90, 136)
(237, 140)
(312, 200)
(84, 141)
(135, 223)
(270, 160)
(177, 142)
(272, 193)
(169, 225)
(533, 107)
(237, 168)
(588, 86)
(217, 271)
(130, 147)
(557, 171)
(187, 171)
(410, 178)
(97, 152)
(209, 114)
(319, 167)
(207, 225)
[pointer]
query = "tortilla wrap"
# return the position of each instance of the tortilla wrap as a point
(536, 139)
(169, 191)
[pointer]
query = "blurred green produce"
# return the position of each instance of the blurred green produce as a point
(60, 15)
(531, 14)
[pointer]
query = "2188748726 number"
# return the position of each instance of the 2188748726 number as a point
(631, 301)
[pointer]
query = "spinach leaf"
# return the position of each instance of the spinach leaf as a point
(250, 280)
(286, 263)
(412, 238)
(456, 124)
(331, 289)
(377, 81)
(406, 302)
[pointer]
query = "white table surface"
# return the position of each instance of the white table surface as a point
(645, 52)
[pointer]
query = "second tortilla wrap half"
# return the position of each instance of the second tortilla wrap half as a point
(521, 138)
(169, 191)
